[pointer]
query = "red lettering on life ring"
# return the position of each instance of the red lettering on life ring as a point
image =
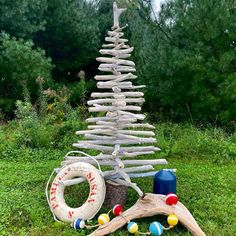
(95, 199)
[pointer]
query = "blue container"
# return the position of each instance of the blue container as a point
(164, 182)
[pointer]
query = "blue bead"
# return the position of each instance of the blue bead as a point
(156, 228)
(79, 224)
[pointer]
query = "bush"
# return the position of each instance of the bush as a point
(21, 63)
(191, 142)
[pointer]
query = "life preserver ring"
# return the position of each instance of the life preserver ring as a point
(94, 201)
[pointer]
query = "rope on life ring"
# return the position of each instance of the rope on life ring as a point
(88, 210)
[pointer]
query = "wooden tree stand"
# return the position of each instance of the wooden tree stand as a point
(115, 194)
(151, 205)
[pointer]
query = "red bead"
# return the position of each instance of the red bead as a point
(171, 199)
(117, 209)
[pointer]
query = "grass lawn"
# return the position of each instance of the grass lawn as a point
(207, 189)
(206, 185)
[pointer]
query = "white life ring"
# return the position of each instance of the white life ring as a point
(94, 201)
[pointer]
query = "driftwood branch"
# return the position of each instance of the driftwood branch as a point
(151, 205)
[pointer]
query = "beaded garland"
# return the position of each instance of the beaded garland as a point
(155, 228)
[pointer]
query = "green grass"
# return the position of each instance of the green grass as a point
(206, 183)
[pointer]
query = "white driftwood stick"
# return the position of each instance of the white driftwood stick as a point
(99, 137)
(102, 127)
(118, 29)
(129, 170)
(151, 205)
(120, 46)
(106, 118)
(106, 123)
(106, 156)
(136, 126)
(127, 94)
(139, 148)
(115, 61)
(117, 78)
(117, 69)
(113, 84)
(106, 77)
(114, 163)
(127, 136)
(137, 132)
(121, 53)
(125, 77)
(115, 66)
(116, 15)
(143, 175)
(126, 113)
(122, 173)
(115, 33)
(111, 149)
(99, 126)
(123, 125)
(112, 131)
(120, 126)
(95, 147)
(134, 154)
(95, 131)
(119, 141)
(113, 45)
(117, 40)
(112, 108)
(121, 86)
(111, 100)
(98, 157)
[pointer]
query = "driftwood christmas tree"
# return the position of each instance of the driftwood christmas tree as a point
(119, 134)
(121, 137)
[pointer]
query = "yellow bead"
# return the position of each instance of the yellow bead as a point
(172, 220)
(103, 219)
(132, 227)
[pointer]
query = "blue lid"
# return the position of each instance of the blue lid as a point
(165, 175)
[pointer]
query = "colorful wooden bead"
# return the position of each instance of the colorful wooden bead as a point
(172, 220)
(103, 219)
(132, 227)
(117, 210)
(78, 224)
(156, 228)
(171, 199)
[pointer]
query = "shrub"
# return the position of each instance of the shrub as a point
(20, 63)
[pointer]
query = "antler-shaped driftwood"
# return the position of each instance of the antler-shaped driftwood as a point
(150, 205)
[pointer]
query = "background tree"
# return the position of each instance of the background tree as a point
(21, 63)
(71, 37)
(22, 18)
(188, 60)
(185, 55)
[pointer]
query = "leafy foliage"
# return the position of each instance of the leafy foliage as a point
(187, 59)
(21, 63)
(22, 18)
(185, 54)
(71, 36)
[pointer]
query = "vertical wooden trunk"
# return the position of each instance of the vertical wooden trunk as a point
(115, 194)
